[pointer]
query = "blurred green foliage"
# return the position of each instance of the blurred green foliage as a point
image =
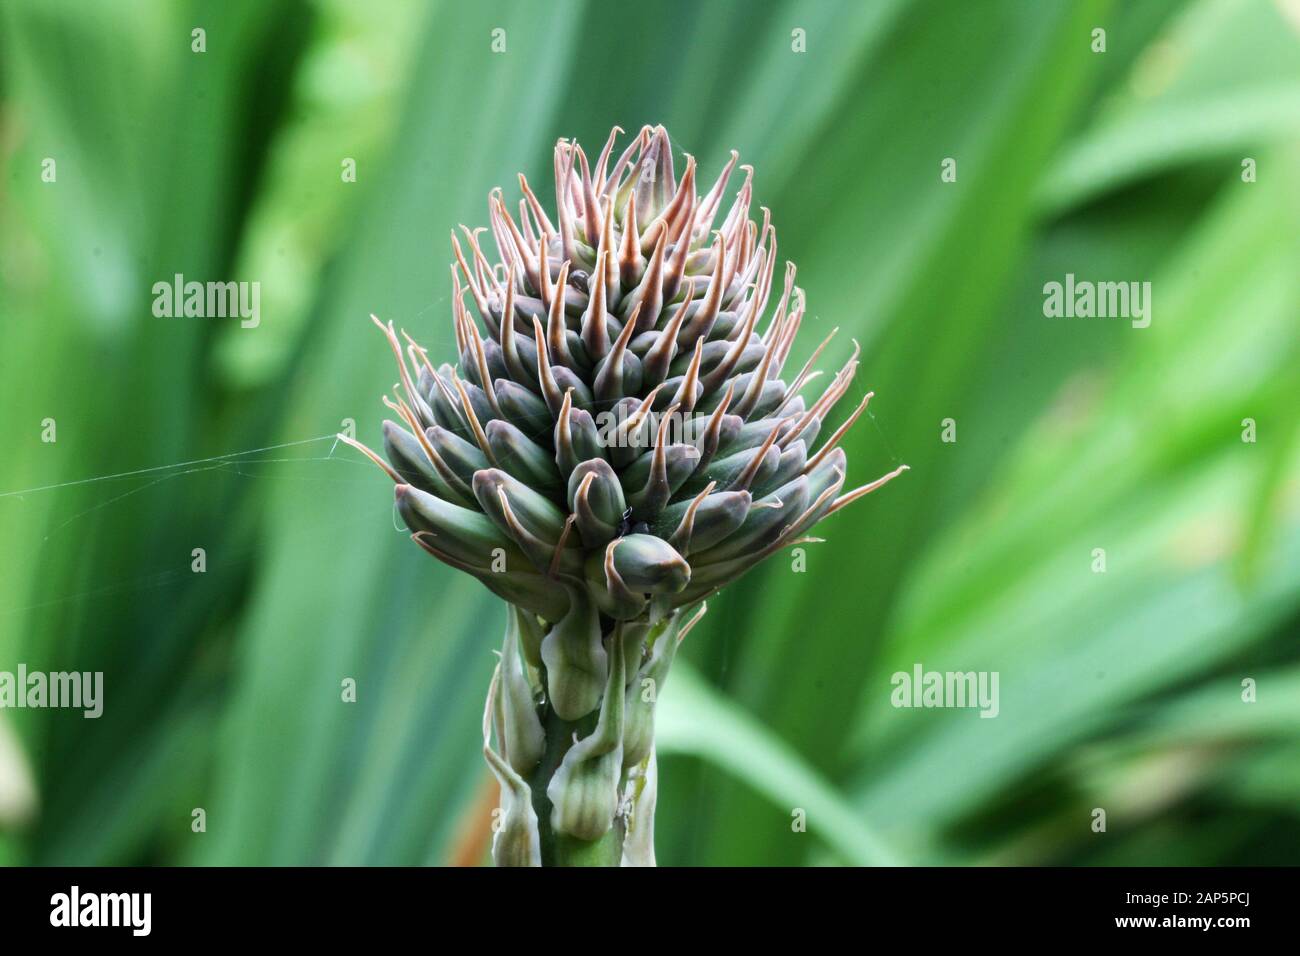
(1119, 691)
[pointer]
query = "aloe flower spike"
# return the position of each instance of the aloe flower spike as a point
(615, 441)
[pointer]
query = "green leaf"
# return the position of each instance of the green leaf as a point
(693, 719)
(1224, 77)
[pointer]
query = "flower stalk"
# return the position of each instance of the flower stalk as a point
(617, 441)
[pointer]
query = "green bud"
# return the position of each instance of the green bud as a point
(568, 380)
(522, 407)
(535, 511)
(598, 503)
(725, 471)
(607, 587)
(650, 565)
(477, 400)
(716, 517)
(516, 841)
(807, 433)
(533, 521)
(792, 463)
(424, 384)
(465, 535)
(725, 325)
(462, 457)
(714, 352)
(495, 361)
(750, 435)
(575, 658)
(446, 412)
(632, 434)
(710, 436)
(576, 440)
(410, 460)
(521, 733)
(767, 518)
(616, 375)
(584, 789)
(522, 458)
(771, 395)
(651, 480)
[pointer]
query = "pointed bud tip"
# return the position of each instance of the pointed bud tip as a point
(650, 564)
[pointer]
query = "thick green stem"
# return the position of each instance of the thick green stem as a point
(590, 796)
(559, 849)
(607, 851)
